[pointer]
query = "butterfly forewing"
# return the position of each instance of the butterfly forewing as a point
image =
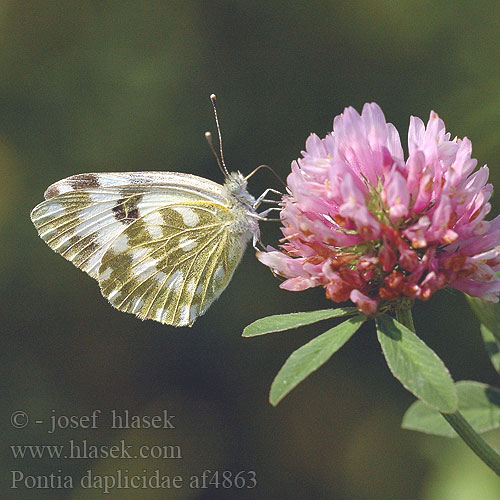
(163, 245)
(84, 213)
(80, 225)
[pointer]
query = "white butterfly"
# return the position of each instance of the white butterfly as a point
(162, 245)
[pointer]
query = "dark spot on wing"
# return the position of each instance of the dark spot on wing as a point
(126, 210)
(51, 191)
(84, 181)
(73, 183)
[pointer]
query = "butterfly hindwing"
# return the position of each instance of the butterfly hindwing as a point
(173, 264)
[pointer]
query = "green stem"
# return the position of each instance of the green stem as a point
(474, 441)
(405, 317)
(470, 437)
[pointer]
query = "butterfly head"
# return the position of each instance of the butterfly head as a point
(236, 184)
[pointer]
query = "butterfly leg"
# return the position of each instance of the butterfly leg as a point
(262, 215)
(257, 241)
(262, 197)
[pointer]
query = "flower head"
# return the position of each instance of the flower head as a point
(369, 226)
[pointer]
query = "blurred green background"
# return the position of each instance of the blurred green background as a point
(119, 85)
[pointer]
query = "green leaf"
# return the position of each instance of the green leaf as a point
(281, 322)
(492, 347)
(311, 356)
(488, 314)
(479, 404)
(416, 365)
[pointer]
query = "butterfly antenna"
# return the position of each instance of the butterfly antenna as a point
(255, 170)
(214, 105)
(208, 137)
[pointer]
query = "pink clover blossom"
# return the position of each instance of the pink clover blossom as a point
(370, 227)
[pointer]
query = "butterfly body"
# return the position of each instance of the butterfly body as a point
(162, 245)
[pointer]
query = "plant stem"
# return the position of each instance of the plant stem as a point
(405, 317)
(475, 442)
(470, 437)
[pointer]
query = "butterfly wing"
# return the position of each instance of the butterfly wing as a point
(84, 213)
(172, 265)
(114, 225)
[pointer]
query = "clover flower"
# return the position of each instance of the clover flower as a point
(369, 226)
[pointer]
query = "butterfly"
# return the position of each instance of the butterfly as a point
(162, 245)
